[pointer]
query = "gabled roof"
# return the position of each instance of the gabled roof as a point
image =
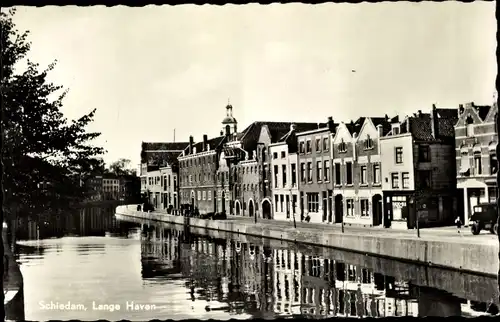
(277, 130)
(304, 127)
(165, 146)
(355, 126)
(482, 111)
(421, 125)
(214, 143)
(161, 153)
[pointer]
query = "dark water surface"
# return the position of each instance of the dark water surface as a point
(99, 267)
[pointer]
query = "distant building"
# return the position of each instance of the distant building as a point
(158, 164)
(111, 187)
(95, 185)
(418, 170)
(130, 187)
(476, 139)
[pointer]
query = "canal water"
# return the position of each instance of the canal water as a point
(92, 265)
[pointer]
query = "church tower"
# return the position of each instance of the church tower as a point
(229, 120)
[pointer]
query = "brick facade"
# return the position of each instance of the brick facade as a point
(476, 138)
(315, 174)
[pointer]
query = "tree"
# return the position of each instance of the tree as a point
(45, 157)
(121, 167)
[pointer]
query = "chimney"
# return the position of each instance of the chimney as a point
(380, 130)
(331, 125)
(386, 117)
(190, 144)
(221, 133)
(461, 109)
(434, 122)
(293, 127)
(408, 124)
(205, 140)
(419, 113)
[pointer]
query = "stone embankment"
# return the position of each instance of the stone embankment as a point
(474, 254)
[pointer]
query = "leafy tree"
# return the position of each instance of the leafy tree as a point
(122, 167)
(45, 157)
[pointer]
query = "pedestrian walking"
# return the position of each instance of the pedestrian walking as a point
(458, 222)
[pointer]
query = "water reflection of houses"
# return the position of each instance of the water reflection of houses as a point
(288, 279)
(88, 221)
(160, 252)
(332, 288)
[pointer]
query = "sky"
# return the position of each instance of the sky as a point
(156, 70)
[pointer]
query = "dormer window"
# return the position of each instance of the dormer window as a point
(396, 129)
(342, 146)
(368, 143)
(469, 127)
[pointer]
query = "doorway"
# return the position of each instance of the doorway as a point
(339, 208)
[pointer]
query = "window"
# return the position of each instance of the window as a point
(276, 201)
(312, 202)
(342, 146)
(399, 155)
(469, 130)
(294, 203)
(283, 154)
(350, 207)
(326, 143)
(301, 147)
(326, 172)
(368, 143)
(395, 129)
(425, 179)
(424, 153)
(275, 155)
(308, 146)
(337, 174)
(406, 180)
(477, 163)
(303, 172)
(209, 195)
(365, 207)
(318, 144)
(282, 200)
(204, 196)
(362, 174)
(199, 195)
(294, 175)
(493, 162)
(319, 174)
(376, 173)
(309, 172)
(283, 175)
(348, 170)
(395, 180)
(276, 176)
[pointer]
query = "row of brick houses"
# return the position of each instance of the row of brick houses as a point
(427, 167)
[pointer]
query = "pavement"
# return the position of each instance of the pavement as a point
(449, 234)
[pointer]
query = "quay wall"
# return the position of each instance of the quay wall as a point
(467, 257)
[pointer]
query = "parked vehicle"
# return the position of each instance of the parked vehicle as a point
(484, 216)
